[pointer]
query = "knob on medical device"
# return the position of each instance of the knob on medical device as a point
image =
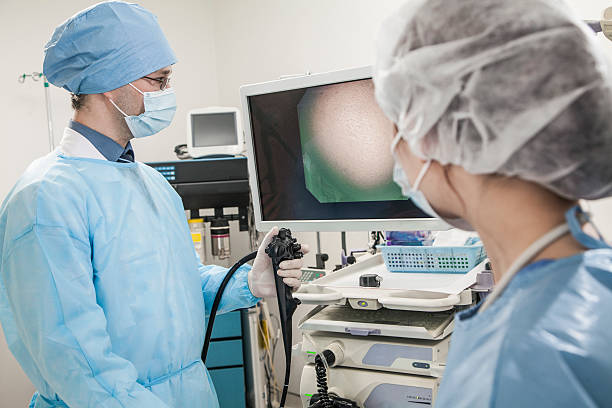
(369, 280)
(336, 350)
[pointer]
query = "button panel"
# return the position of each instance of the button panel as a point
(169, 172)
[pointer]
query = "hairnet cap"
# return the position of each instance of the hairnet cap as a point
(105, 47)
(517, 88)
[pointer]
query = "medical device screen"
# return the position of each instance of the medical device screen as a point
(323, 153)
(214, 129)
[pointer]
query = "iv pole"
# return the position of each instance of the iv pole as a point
(36, 76)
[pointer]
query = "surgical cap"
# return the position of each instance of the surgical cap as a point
(105, 47)
(516, 88)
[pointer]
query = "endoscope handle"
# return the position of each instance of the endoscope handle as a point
(286, 302)
(283, 247)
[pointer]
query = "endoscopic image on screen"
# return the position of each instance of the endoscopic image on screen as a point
(344, 118)
(323, 153)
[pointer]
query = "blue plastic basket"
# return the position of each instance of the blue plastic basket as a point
(456, 259)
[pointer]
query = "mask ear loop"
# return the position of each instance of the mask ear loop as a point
(403, 131)
(116, 107)
(395, 142)
(130, 84)
(586, 206)
(419, 178)
(119, 109)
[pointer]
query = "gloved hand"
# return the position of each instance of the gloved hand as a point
(261, 276)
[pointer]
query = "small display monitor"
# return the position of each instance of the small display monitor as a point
(215, 130)
(319, 156)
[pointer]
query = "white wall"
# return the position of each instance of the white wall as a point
(260, 41)
(220, 45)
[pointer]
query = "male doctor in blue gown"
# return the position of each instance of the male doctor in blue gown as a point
(102, 296)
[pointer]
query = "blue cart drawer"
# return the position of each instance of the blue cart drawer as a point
(229, 383)
(224, 353)
(227, 325)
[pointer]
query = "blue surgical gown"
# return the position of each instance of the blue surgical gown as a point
(545, 342)
(102, 296)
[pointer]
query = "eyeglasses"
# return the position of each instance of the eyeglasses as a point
(163, 82)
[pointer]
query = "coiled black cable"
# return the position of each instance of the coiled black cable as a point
(321, 373)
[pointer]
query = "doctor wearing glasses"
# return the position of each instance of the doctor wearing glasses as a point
(102, 296)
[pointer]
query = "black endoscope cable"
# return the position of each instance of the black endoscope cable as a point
(283, 247)
(286, 328)
(217, 301)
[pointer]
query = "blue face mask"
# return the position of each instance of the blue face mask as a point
(419, 199)
(160, 107)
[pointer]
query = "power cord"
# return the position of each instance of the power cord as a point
(321, 372)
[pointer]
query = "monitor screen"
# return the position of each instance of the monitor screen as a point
(214, 129)
(322, 153)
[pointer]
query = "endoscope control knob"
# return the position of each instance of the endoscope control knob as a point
(284, 247)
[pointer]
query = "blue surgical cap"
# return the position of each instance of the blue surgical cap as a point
(105, 47)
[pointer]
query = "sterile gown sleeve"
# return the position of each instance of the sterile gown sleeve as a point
(50, 287)
(237, 294)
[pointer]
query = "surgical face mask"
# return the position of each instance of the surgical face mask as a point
(419, 199)
(160, 107)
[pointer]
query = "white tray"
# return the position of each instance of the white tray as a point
(422, 292)
(383, 322)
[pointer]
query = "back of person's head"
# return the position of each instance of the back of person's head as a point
(516, 88)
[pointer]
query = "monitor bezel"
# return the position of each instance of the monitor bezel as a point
(311, 80)
(200, 151)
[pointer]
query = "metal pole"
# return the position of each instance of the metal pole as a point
(49, 114)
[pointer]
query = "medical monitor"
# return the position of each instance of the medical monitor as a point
(319, 156)
(215, 130)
